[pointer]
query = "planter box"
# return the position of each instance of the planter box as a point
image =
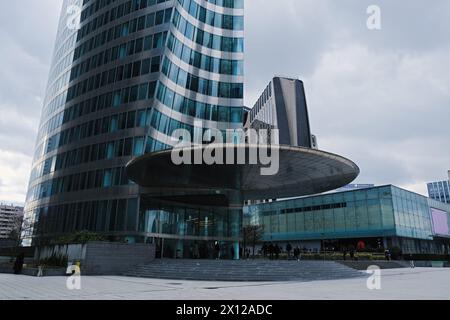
(102, 258)
(6, 269)
(437, 264)
(52, 272)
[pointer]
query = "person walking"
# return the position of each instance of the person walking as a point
(18, 264)
(387, 255)
(297, 253)
(217, 250)
(264, 249)
(289, 249)
(271, 251)
(196, 251)
(352, 254)
(277, 251)
(411, 261)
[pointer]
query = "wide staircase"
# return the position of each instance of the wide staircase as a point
(244, 270)
(363, 265)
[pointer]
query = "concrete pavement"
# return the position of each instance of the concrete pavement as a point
(419, 283)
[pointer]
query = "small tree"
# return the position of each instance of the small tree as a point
(253, 235)
(15, 235)
(16, 229)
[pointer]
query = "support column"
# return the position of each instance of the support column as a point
(235, 212)
(181, 228)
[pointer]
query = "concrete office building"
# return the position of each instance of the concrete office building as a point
(10, 219)
(377, 217)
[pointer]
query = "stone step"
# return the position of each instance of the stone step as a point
(228, 270)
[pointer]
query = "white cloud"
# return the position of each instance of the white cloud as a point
(15, 170)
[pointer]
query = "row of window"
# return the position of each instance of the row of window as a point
(110, 124)
(111, 15)
(212, 18)
(315, 208)
(166, 125)
(67, 44)
(234, 4)
(133, 146)
(124, 72)
(62, 63)
(118, 52)
(130, 94)
(95, 216)
(86, 107)
(90, 129)
(103, 178)
(98, 178)
(60, 83)
(204, 62)
(206, 39)
(91, 153)
(197, 109)
(201, 85)
(123, 30)
(55, 104)
(102, 79)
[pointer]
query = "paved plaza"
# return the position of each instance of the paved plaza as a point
(419, 283)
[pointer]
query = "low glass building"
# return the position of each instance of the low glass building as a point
(378, 217)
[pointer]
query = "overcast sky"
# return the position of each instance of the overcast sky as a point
(381, 98)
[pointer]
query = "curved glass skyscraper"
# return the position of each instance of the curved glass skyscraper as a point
(120, 83)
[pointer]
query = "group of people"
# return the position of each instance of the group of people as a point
(273, 251)
(352, 254)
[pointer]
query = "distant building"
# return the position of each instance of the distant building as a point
(282, 105)
(439, 191)
(10, 218)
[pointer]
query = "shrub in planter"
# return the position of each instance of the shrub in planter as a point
(54, 261)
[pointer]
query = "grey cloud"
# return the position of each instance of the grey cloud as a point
(381, 98)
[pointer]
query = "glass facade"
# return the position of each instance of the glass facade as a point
(386, 212)
(135, 71)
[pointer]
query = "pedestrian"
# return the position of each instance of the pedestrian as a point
(387, 255)
(217, 250)
(297, 253)
(411, 261)
(277, 251)
(352, 254)
(271, 251)
(18, 264)
(196, 251)
(344, 254)
(289, 249)
(264, 249)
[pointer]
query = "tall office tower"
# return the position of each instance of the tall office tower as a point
(121, 81)
(282, 106)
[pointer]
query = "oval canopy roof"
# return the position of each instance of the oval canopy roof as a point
(302, 171)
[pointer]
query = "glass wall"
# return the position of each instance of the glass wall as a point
(400, 216)
(182, 231)
(361, 213)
